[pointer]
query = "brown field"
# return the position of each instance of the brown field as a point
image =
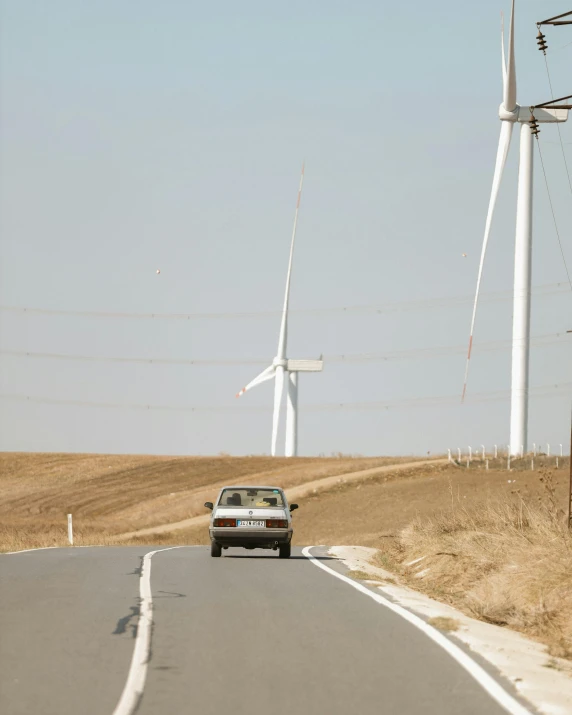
(112, 494)
(491, 542)
(377, 508)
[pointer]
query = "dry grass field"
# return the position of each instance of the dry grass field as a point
(112, 494)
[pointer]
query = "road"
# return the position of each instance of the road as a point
(247, 633)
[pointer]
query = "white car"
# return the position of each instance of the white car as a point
(251, 518)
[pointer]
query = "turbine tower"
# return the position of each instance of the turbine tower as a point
(511, 113)
(283, 369)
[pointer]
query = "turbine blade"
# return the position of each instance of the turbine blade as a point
(503, 57)
(284, 323)
(504, 144)
(509, 96)
(265, 375)
(278, 390)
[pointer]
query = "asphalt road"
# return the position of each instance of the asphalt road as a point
(247, 633)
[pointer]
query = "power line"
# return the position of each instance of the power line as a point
(547, 289)
(558, 126)
(553, 214)
(554, 390)
(394, 355)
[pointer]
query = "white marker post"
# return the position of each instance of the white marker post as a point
(70, 530)
(534, 449)
(483, 451)
(496, 452)
(487, 463)
(459, 453)
(561, 451)
(548, 450)
(449, 455)
(470, 453)
(508, 461)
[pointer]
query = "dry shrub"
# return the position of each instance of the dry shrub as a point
(508, 563)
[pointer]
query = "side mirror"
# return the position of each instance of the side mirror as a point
(293, 506)
(209, 505)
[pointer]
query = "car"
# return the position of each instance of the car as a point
(251, 517)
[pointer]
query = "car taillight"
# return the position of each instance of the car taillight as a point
(224, 522)
(276, 524)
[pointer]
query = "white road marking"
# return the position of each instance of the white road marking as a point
(40, 548)
(133, 690)
(45, 548)
(486, 681)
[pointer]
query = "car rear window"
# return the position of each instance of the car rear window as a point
(251, 498)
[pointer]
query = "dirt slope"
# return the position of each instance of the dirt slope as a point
(370, 511)
(112, 494)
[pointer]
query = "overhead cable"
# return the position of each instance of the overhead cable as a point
(553, 214)
(547, 289)
(558, 125)
(394, 355)
(554, 390)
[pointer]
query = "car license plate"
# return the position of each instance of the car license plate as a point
(250, 523)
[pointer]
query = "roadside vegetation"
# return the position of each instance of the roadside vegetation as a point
(507, 561)
(109, 495)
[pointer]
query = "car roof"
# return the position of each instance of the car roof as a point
(250, 486)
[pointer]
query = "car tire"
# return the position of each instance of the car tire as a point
(284, 551)
(216, 549)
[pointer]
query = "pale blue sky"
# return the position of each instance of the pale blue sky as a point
(145, 135)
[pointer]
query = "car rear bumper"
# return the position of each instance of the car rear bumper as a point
(254, 538)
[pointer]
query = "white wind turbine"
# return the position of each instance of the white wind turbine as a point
(511, 113)
(282, 367)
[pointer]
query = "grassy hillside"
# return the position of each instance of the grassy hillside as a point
(113, 494)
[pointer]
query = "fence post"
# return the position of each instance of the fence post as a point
(496, 451)
(483, 451)
(70, 530)
(548, 450)
(470, 453)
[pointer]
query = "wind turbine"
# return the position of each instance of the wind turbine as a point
(510, 113)
(284, 369)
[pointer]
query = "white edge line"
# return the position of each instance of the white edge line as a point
(486, 681)
(45, 548)
(40, 548)
(135, 683)
(87, 546)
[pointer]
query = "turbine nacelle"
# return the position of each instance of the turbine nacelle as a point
(522, 115)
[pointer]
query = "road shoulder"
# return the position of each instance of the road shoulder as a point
(544, 681)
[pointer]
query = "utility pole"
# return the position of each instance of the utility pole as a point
(570, 483)
(542, 46)
(570, 487)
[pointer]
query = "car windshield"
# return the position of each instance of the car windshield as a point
(251, 498)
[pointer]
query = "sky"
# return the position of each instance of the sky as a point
(144, 136)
